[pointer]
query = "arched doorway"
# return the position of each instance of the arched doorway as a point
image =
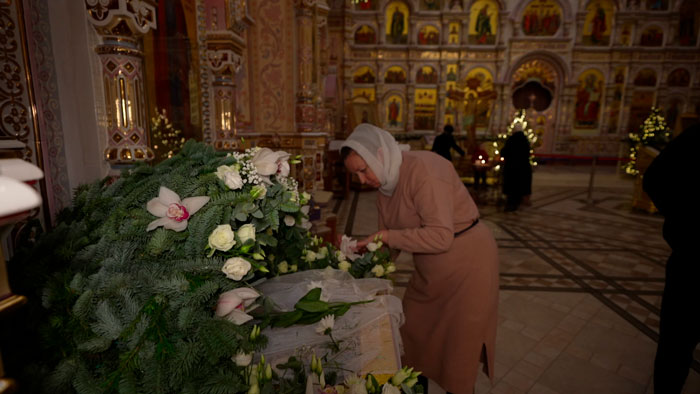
(534, 88)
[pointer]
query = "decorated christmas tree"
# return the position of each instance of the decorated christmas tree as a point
(166, 139)
(148, 282)
(520, 119)
(653, 132)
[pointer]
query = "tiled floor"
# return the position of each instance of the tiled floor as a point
(581, 283)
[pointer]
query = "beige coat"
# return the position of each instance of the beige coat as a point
(452, 298)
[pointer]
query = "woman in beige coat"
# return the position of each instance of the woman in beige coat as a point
(452, 298)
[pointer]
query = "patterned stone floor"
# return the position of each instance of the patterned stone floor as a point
(581, 283)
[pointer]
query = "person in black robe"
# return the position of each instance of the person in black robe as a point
(670, 182)
(445, 142)
(517, 172)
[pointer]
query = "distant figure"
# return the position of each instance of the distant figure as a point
(670, 185)
(397, 26)
(517, 172)
(445, 142)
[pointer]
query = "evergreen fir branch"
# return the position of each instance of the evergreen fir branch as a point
(84, 382)
(62, 376)
(223, 383)
(81, 308)
(95, 345)
(107, 324)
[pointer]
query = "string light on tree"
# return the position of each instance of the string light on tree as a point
(167, 140)
(653, 132)
(520, 118)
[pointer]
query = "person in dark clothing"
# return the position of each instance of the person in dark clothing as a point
(670, 182)
(445, 142)
(517, 172)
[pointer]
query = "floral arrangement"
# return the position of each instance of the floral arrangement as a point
(149, 280)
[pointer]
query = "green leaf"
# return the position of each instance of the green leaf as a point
(288, 319)
(313, 295)
(258, 214)
(312, 306)
(340, 311)
(241, 217)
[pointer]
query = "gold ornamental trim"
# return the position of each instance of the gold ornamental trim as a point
(114, 50)
(11, 302)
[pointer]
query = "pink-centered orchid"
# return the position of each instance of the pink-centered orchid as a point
(171, 211)
(233, 303)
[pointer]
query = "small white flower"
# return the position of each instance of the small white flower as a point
(339, 255)
(326, 323)
(243, 359)
(305, 224)
(289, 220)
(246, 232)
(171, 211)
(356, 385)
(378, 271)
(305, 209)
(390, 268)
(344, 266)
(222, 238)
(322, 253)
(293, 268)
(388, 388)
(372, 246)
(236, 268)
(232, 304)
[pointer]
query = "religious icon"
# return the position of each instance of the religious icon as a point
(367, 5)
(483, 22)
(365, 35)
(426, 74)
(363, 75)
(679, 78)
(393, 111)
(455, 4)
(452, 72)
(625, 36)
(541, 18)
(424, 113)
(395, 75)
(588, 98)
(428, 35)
(453, 36)
(688, 27)
(397, 23)
(597, 27)
(652, 37)
(480, 96)
(645, 77)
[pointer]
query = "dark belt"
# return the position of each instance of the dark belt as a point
(474, 223)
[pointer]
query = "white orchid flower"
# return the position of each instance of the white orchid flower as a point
(233, 303)
(326, 323)
(173, 212)
(348, 247)
(268, 162)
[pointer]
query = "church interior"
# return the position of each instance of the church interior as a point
(107, 91)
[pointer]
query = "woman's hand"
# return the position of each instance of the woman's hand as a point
(382, 235)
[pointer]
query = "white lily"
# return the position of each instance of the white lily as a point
(171, 211)
(267, 162)
(348, 247)
(233, 303)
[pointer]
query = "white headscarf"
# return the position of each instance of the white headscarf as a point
(381, 152)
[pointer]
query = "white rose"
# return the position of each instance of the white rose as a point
(340, 256)
(289, 220)
(293, 268)
(243, 359)
(246, 232)
(236, 268)
(344, 266)
(305, 209)
(233, 180)
(372, 246)
(378, 270)
(322, 253)
(390, 389)
(390, 268)
(283, 267)
(222, 238)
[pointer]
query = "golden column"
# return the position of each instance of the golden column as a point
(121, 24)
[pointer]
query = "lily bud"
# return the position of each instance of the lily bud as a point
(268, 372)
